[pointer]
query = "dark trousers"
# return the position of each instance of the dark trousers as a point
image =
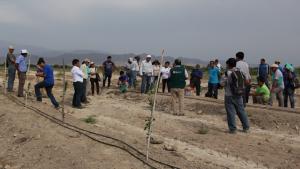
(197, 85)
(78, 91)
(22, 78)
(212, 90)
(38, 93)
(108, 77)
(11, 77)
(94, 82)
(246, 95)
(289, 93)
(83, 96)
(165, 83)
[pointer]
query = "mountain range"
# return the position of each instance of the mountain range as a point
(57, 56)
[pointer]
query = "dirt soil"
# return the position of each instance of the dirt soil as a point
(197, 140)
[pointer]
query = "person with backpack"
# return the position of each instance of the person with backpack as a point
(264, 71)
(94, 78)
(213, 82)
(196, 77)
(289, 77)
(244, 68)
(277, 85)
(178, 75)
(47, 83)
(234, 91)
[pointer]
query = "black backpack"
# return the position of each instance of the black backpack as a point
(237, 83)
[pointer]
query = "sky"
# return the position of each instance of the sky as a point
(204, 29)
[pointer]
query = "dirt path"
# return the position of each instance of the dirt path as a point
(274, 146)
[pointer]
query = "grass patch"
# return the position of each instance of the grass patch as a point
(203, 130)
(90, 120)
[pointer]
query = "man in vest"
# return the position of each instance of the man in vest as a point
(178, 75)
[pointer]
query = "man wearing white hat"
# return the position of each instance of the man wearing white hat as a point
(277, 85)
(11, 66)
(21, 65)
(146, 71)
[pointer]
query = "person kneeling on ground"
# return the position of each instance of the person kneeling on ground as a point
(47, 83)
(234, 88)
(262, 93)
(123, 82)
(178, 75)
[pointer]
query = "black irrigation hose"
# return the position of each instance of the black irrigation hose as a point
(75, 129)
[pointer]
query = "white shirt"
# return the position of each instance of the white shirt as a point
(147, 68)
(244, 68)
(135, 66)
(77, 74)
(165, 72)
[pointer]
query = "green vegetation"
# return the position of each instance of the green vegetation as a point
(90, 119)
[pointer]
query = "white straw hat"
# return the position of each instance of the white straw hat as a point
(24, 51)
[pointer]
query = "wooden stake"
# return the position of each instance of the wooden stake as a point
(153, 108)
(64, 90)
(5, 76)
(26, 80)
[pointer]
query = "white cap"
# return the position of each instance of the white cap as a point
(92, 63)
(130, 59)
(275, 66)
(11, 47)
(24, 51)
(148, 56)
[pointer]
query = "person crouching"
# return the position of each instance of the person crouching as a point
(47, 83)
(123, 82)
(262, 93)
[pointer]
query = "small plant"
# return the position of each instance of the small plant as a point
(147, 124)
(203, 129)
(90, 120)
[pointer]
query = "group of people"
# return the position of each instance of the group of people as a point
(235, 79)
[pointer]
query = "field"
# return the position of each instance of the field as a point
(197, 140)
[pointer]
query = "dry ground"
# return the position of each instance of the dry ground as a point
(199, 138)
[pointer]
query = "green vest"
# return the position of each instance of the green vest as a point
(177, 78)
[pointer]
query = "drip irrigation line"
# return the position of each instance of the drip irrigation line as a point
(84, 132)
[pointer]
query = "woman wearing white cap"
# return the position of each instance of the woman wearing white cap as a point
(11, 66)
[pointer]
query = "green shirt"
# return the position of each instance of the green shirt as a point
(264, 90)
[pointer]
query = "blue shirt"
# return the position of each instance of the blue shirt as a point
(213, 75)
(49, 77)
(21, 60)
(263, 70)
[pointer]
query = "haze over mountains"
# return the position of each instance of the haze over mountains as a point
(56, 56)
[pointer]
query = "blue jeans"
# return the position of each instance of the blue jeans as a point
(38, 93)
(234, 105)
(146, 83)
(78, 91)
(132, 78)
(11, 77)
(289, 93)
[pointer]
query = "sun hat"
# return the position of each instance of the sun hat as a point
(11, 47)
(274, 65)
(148, 56)
(24, 51)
